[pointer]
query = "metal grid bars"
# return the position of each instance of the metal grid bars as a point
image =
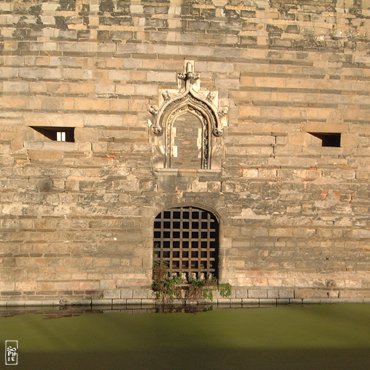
(186, 242)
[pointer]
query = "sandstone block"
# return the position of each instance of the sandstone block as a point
(44, 155)
(111, 294)
(257, 293)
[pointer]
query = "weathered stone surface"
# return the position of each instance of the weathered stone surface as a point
(76, 219)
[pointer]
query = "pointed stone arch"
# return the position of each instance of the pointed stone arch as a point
(188, 99)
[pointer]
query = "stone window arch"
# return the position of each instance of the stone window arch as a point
(204, 124)
(186, 242)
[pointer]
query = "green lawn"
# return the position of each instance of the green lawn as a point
(317, 337)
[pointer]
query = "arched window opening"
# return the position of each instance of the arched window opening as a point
(186, 243)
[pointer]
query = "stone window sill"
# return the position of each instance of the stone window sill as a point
(57, 145)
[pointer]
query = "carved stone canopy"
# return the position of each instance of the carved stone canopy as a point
(208, 121)
(205, 103)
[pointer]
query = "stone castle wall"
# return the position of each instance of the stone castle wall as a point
(76, 218)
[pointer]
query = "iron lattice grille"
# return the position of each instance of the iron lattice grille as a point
(186, 242)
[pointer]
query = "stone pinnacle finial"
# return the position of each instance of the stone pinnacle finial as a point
(189, 77)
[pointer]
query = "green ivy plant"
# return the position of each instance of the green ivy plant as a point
(169, 287)
(166, 287)
(224, 290)
(199, 289)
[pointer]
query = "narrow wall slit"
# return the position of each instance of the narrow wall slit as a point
(328, 138)
(57, 133)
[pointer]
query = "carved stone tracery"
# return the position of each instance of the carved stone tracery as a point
(188, 98)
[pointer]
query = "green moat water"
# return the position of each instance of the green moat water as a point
(317, 337)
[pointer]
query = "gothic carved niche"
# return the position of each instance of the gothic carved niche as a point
(188, 98)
